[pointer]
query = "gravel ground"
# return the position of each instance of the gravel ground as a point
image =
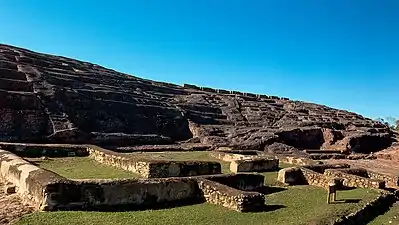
(12, 207)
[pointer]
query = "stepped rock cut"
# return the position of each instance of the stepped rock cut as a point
(53, 99)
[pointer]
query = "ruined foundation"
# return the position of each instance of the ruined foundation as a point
(177, 182)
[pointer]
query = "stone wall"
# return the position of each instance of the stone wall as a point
(50, 192)
(50, 150)
(241, 181)
(303, 175)
(183, 169)
(356, 171)
(254, 165)
(296, 160)
(123, 194)
(351, 180)
(152, 168)
(322, 167)
(231, 198)
(148, 169)
(114, 159)
(314, 178)
(390, 180)
(233, 155)
(291, 176)
(32, 182)
(371, 210)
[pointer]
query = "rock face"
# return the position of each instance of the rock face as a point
(53, 99)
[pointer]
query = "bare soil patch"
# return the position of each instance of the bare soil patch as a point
(12, 207)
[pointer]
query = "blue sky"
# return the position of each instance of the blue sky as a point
(341, 53)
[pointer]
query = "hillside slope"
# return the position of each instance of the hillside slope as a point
(46, 98)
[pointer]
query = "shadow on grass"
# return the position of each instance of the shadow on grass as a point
(133, 207)
(266, 190)
(266, 208)
(35, 162)
(270, 208)
(345, 188)
(342, 201)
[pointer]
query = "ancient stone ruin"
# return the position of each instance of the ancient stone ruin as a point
(53, 106)
(53, 99)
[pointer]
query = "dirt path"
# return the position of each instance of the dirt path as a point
(12, 207)
(388, 167)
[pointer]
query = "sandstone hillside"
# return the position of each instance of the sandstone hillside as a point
(52, 99)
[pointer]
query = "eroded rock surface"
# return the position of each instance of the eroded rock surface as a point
(46, 98)
(12, 207)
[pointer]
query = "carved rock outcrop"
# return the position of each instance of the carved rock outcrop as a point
(53, 99)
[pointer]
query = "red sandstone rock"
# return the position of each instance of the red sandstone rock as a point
(53, 99)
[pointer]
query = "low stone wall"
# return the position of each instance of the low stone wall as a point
(183, 169)
(148, 169)
(50, 192)
(390, 180)
(116, 160)
(123, 194)
(315, 151)
(254, 165)
(297, 160)
(376, 207)
(350, 180)
(231, 198)
(291, 176)
(322, 167)
(241, 181)
(315, 179)
(39, 150)
(154, 169)
(229, 156)
(32, 182)
(325, 156)
(164, 148)
(303, 175)
(356, 171)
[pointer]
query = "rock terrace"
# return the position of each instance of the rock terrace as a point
(53, 99)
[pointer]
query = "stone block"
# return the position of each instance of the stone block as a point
(241, 201)
(254, 165)
(351, 180)
(291, 176)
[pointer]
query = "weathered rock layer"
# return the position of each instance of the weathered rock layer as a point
(46, 98)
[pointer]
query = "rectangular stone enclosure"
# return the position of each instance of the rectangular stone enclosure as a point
(254, 165)
(50, 191)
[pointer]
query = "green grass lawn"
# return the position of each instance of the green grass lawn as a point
(181, 156)
(81, 168)
(299, 205)
(391, 217)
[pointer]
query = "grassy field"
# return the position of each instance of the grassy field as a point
(181, 156)
(391, 217)
(295, 205)
(287, 205)
(81, 168)
(271, 177)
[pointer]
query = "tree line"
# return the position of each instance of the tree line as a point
(393, 123)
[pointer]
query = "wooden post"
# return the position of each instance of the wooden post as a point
(332, 191)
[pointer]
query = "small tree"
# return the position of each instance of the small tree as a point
(390, 122)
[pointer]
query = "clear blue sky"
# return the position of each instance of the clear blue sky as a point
(342, 53)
